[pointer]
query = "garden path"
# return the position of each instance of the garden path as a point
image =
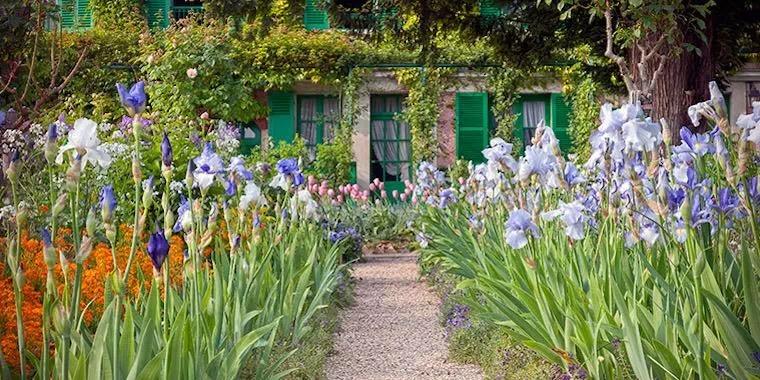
(392, 329)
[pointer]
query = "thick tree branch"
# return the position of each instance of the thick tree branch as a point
(610, 53)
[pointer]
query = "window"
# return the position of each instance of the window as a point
(183, 8)
(318, 116)
(533, 113)
(390, 142)
(753, 94)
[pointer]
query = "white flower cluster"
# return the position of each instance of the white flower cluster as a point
(227, 138)
(116, 150)
(13, 140)
(38, 135)
(178, 186)
(6, 212)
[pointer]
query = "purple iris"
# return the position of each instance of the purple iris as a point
(167, 156)
(518, 226)
(47, 240)
(698, 143)
(675, 199)
(208, 165)
(701, 211)
(184, 207)
(133, 100)
(158, 249)
(727, 201)
(289, 167)
(126, 122)
(572, 175)
(237, 168)
(447, 197)
(52, 133)
(685, 175)
(107, 202)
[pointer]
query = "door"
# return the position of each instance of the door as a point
(390, 142)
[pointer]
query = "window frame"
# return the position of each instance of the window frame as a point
(320, 119)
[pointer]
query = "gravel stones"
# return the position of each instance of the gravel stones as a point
(392, 330)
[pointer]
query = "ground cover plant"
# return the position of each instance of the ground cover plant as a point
(643, 260)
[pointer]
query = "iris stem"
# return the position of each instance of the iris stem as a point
(17, 287)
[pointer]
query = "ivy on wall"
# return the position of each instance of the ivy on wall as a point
(421, 109)
(582, 91)
(505, 83)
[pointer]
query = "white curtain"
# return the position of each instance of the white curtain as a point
(533, 113)
(332, 118)
(385, 136)
(308, 127)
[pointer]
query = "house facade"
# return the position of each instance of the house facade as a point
(744, 88)
(382, 146)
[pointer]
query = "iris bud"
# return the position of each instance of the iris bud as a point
(51, 144)
(91, 223)
(136, 171)
(168, 224)
(60, 204)
(85, 249)
(189, 174)
(147, 198)
(12, 171)
(61, 320)
(110, 233)
(686, 210)
(20, 278)
(74, 172)
(21, 214)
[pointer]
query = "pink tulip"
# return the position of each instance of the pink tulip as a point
(376, 181)
(403, 197)
(340, 188)
(325, 183)
(382, 185)
(383, 194)
(364, 198)
(371, 187)
(395, 194)
(340, 198)
(322, 192)
(377, 202)
(331, 193)
(461, 180)
(366, 193)
(408, 192)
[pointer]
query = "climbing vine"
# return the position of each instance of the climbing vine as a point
(421, 111)
(504, 83)
(581, 90)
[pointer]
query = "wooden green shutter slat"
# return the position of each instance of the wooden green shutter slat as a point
(560, 121)
(314, 17)
(84, 14)
(157, 13)
(471, 125)
(67, 13)
(281, 117)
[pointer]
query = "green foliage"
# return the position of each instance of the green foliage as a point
(333, 163)
(582, 89)
(491, 348)
(221, 87)
(421, 108)
(504, 83)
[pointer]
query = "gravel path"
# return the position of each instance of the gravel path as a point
(392, 330)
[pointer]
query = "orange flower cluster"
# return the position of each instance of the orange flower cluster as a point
(97, 270)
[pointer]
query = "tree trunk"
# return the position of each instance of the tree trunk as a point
(683, 81)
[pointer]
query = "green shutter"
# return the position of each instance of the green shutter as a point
(488, 8)
(250, 137)
(314, 16)
(560, 121)
(68, 11)
(281, 117)
(157, 13)
(471, 125)
(84, 14)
